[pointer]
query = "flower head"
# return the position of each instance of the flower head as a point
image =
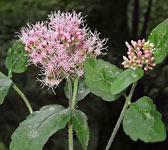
(140, 54)
(60, 46)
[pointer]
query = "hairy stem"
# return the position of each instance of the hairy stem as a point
(74, 93)
(70, 130)
(22, 95)
(70, 90)
(72, 106)
(127, 103)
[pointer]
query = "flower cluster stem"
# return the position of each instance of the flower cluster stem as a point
(74, 93)
(127, 103)
(72, 106)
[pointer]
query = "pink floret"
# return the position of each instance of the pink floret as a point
(140, 54)
(60, 46)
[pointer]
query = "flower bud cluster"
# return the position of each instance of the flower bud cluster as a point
(60, 46)
(140, 54)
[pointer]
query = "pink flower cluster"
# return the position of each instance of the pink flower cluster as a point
(60, 46)
(140, 54)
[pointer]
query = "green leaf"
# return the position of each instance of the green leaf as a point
(80, 125)
(5, 84)
(159, 36)
(16, 60)
(125, 79)
(142, 121)
(34, 132)
(99, 76)
(82, 92)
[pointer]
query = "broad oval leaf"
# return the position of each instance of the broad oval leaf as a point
(34, 132)
(5, 84)
(16, 60)
(80, 125)
(142, 121)
(159, 36)
(99, 76)
(82, 92)
(125, 79)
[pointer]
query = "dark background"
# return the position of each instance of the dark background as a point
(118, 20)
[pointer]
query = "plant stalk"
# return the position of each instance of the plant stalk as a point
(74, 93)
(72, 106)
(127, 103)
(22, 95)
(70, 90)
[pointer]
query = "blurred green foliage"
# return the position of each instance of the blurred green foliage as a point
(114, 19)
(2, 146)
